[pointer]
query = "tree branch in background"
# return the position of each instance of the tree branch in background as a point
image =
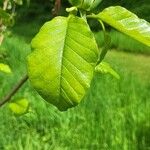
(56, 8)
(2, 27)
(13, 91)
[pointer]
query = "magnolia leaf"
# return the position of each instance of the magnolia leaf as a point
(19, 107)
(5, 68)
(105, 68)
(62, 64)
(126, 22)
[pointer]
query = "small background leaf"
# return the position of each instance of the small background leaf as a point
(5, 68)
(19, 107)
(105, 68)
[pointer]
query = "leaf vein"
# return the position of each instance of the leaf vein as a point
(69, 84)
(74, 77)
(81, 44)
(67, 96)
(77, 53)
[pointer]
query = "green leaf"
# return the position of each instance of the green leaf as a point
(19, 107)
(126, 22)
(5, 68)
(105, 68)
(62, 64)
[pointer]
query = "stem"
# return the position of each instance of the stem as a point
(107, 42)
(103, 27)
(107, 38)
(13, 91)
(83, 14)
(93, 16)
(56, 8)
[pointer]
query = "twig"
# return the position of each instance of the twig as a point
(3, 27)
(56, 8)
(13, 91)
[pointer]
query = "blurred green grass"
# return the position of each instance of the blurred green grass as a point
(114, 114)
(122, 42)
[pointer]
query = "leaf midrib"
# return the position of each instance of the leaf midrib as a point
(62, 62)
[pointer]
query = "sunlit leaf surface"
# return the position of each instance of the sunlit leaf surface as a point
(126, 22)
(62, 64)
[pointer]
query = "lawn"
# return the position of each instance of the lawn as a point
(114, 114)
